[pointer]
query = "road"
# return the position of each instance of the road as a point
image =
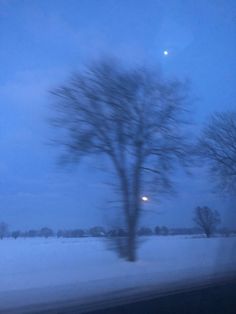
(216, 298)
(220, 299)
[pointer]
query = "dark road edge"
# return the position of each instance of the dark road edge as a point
(126, 296)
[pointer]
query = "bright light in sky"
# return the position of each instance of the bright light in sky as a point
(165, 52)
(145, 198)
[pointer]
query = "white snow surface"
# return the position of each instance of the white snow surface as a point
(35, 271)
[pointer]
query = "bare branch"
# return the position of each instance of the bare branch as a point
(218, 147)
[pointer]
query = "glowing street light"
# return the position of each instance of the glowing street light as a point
(145, 198)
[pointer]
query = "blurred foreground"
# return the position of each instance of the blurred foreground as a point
(41, 271)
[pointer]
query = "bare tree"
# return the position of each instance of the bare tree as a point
(145, 231)
(97, 231)
(218, 147)
(46, 232)
(16, 234)
(207, 219)
(3, 230)
(157, 230)
(132, 116)
(164, 230)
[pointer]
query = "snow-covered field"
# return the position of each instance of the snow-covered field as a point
(47, 270)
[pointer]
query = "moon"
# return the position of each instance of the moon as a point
(145, 198)
(165, 52)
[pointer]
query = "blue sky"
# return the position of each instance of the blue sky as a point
(42, 42)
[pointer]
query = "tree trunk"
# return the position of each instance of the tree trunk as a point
(131, 243)
(134, 213)
(131, 201)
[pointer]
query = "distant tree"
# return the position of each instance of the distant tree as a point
(180, 231)
(71, 233)
(97, 231)
(79, 233)
(207, 219)
(157, 230)
(145, 231)
(112, 233)
(121, 232)
(226, 232)
(217, 146)
(117, 232)
(76, 233)
(164, 230)
(132, 116)
(60, 233)
(15, 234)
(46, 232)
(3, 230)
(32, 233)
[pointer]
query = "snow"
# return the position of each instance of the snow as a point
(35, 271)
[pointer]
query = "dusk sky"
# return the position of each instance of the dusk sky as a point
(43, 41)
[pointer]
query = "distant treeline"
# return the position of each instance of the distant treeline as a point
(99, 231)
